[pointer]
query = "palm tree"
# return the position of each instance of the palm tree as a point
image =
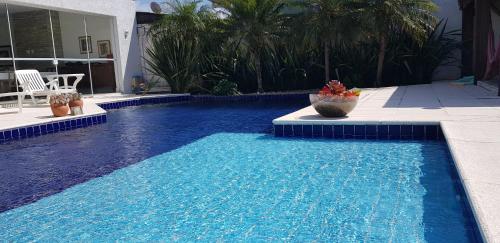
(254, 27)
(413, 17)
(328, 22)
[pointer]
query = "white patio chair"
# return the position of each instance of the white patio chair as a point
(33, 85)
(20, 96)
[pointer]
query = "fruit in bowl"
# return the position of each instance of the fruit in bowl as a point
(335, 100)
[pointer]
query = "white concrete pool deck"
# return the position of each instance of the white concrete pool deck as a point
(41, 113)
(470, 119)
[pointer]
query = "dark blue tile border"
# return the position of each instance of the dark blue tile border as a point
(198, 98)
(381, 132)
(52, 127)
(144, 101)
(80, 122)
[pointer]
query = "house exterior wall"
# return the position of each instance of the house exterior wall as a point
(124, 38)
(450, 10)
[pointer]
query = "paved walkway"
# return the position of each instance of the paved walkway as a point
(470, 119)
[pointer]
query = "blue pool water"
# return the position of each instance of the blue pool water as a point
(213, 172)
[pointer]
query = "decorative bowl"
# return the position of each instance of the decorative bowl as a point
(333, 106)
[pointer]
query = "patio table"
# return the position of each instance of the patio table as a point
(65, 77)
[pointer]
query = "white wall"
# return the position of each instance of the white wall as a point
(72, 27)
(122, 13)
(144, 45)
(449, 9)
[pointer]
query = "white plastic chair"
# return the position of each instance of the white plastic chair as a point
(33, 85)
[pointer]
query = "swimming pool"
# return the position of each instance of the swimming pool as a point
(213, 172)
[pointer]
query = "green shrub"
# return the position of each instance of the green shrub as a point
(225, 87)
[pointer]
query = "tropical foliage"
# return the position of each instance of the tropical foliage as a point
(277, 45)
(382, 17)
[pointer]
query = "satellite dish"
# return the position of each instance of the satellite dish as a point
(155, 7)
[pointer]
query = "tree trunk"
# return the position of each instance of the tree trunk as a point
(327, 61)
(381, 57)
(258, 70)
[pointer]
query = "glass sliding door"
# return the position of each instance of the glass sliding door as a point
(7, 82)
(34, 44)
(58, 42)
(74, 58)
(101, 55)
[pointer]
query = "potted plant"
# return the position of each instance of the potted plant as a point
(141, 86)
(76, 103)
(59, 105)
(334, 100)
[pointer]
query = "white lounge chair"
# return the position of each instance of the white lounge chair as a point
(20, 97)
(33, 85)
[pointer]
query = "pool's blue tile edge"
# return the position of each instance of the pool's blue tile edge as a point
(51, 127)
(143, 101)
(197, 98)
(381, 132)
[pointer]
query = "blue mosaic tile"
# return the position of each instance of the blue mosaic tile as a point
(440, 133)
(431, 132)
(327, 131)
(338, 131)
(418, 132)
(30, 132)
(55, 126)
(7, 135)
(317, 131)
(288, 131)
(36, 130)
(394, 132)
(278, 130)
(73, 123)
(50, 128)
(94, 120)
(348, 131)
(297, 130)
(1, 135)
(360, 131)
(307, 131)
(406, 132)
(383, 132)
(371, 130)
(22, 132)
(62, 126)
(15, 133)
(43, 129)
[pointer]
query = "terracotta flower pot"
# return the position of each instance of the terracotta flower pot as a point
(75, 103)
(59, 110)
